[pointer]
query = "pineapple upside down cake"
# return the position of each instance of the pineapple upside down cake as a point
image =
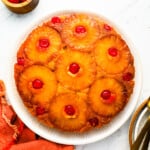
(74, 72)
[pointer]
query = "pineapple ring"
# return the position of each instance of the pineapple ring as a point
(33, 94)
(83, 78)
(97, 102)
(50, 44)
(61, 119)
(88, 32)
(120, 58)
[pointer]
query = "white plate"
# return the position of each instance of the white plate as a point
(68, 138)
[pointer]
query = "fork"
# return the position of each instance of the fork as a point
(146, 141)
(136, 145)
(145, 132)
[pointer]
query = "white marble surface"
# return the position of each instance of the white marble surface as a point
(133, 16)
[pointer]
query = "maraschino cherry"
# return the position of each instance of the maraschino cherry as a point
(94, 122)
(74, 68)
(40, 110)
(37, 84)
(55, 20)
(108, 97)
(80, 29)
(20, 61)
(113, 51)
(69, 110)
(107, 27)
(44, 43)
(16, 1)
(127, 76)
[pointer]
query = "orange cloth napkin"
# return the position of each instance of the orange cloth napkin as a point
(41, 145)
(14, 135)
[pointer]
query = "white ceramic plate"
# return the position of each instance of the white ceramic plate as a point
(68, 138)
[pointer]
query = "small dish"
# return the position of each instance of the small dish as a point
(22, 7)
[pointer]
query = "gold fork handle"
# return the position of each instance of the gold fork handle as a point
(146, 141)
(138, 141)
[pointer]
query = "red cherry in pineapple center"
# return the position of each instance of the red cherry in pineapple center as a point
(37, 84)
(44, 43)
(113, 51)
(108, 97)
(74, 68)
(80, 29)
(69, 109)
(106, 94)
(94, 122)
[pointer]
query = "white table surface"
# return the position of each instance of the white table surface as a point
(133, 16)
